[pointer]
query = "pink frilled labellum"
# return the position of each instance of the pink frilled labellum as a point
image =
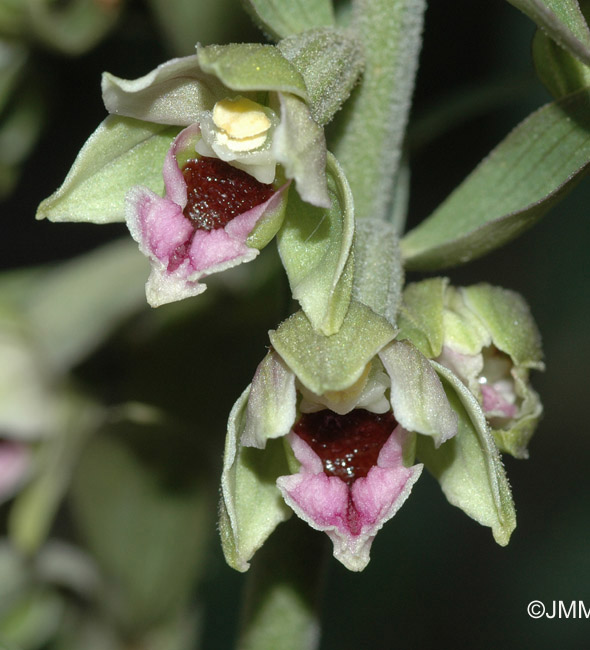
(352, 477)
(202, 224)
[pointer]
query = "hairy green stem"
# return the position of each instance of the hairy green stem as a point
(281, 599)
(368, 134)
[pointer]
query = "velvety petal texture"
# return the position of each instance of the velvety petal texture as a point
(350, 515)
(180, 253)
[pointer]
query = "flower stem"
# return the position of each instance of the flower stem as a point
(282, 595)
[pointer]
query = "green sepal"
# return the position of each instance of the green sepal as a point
(271, 409)
(122, 152)
(336, 362)
(378, 271)
(523, 177)
(563, 21)
(252, 66)
(315, 246)
(417, 396)
(420, 317)
(507, 317)
(463, 331)
(279, 19)
(251, 504)
(173, 93)
(468, 467)
(560, 71)
(330, 62)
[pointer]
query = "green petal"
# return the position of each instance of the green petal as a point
(316, 249)
(299, 146)
(251, 504)
(563, 21)
(378, 270)
(468, 467)
(251, 66)
(528, 173)
(279, 18)
(509, 321)
(272, 404)
(174, 93)
(330, 62)
(329, 363)
(417, 396)
(121, 153)
(420, 316)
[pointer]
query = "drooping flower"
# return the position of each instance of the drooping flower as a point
(346, 463)
(488, 338)
(247, 132)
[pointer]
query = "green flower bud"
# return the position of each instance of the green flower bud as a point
(488, 338)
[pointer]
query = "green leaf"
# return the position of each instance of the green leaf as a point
(33, 511)
(142, 504)
(378, 271)
(330, 62)
(315, 245)
(559, 71)
(368, 133)
(468, 467)
(329, 363)
(279, 19)
(76, 305)
(523, 177)
(251, 504)
(252, 66)
(121, 153)
(73, 28)
(563, 21)
(20, 126)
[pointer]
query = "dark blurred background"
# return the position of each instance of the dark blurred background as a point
(436, 578)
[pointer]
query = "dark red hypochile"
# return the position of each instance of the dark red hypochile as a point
(218, 192)
(347, 444)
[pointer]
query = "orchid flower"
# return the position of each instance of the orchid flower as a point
(487, 337)
(346, 464)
